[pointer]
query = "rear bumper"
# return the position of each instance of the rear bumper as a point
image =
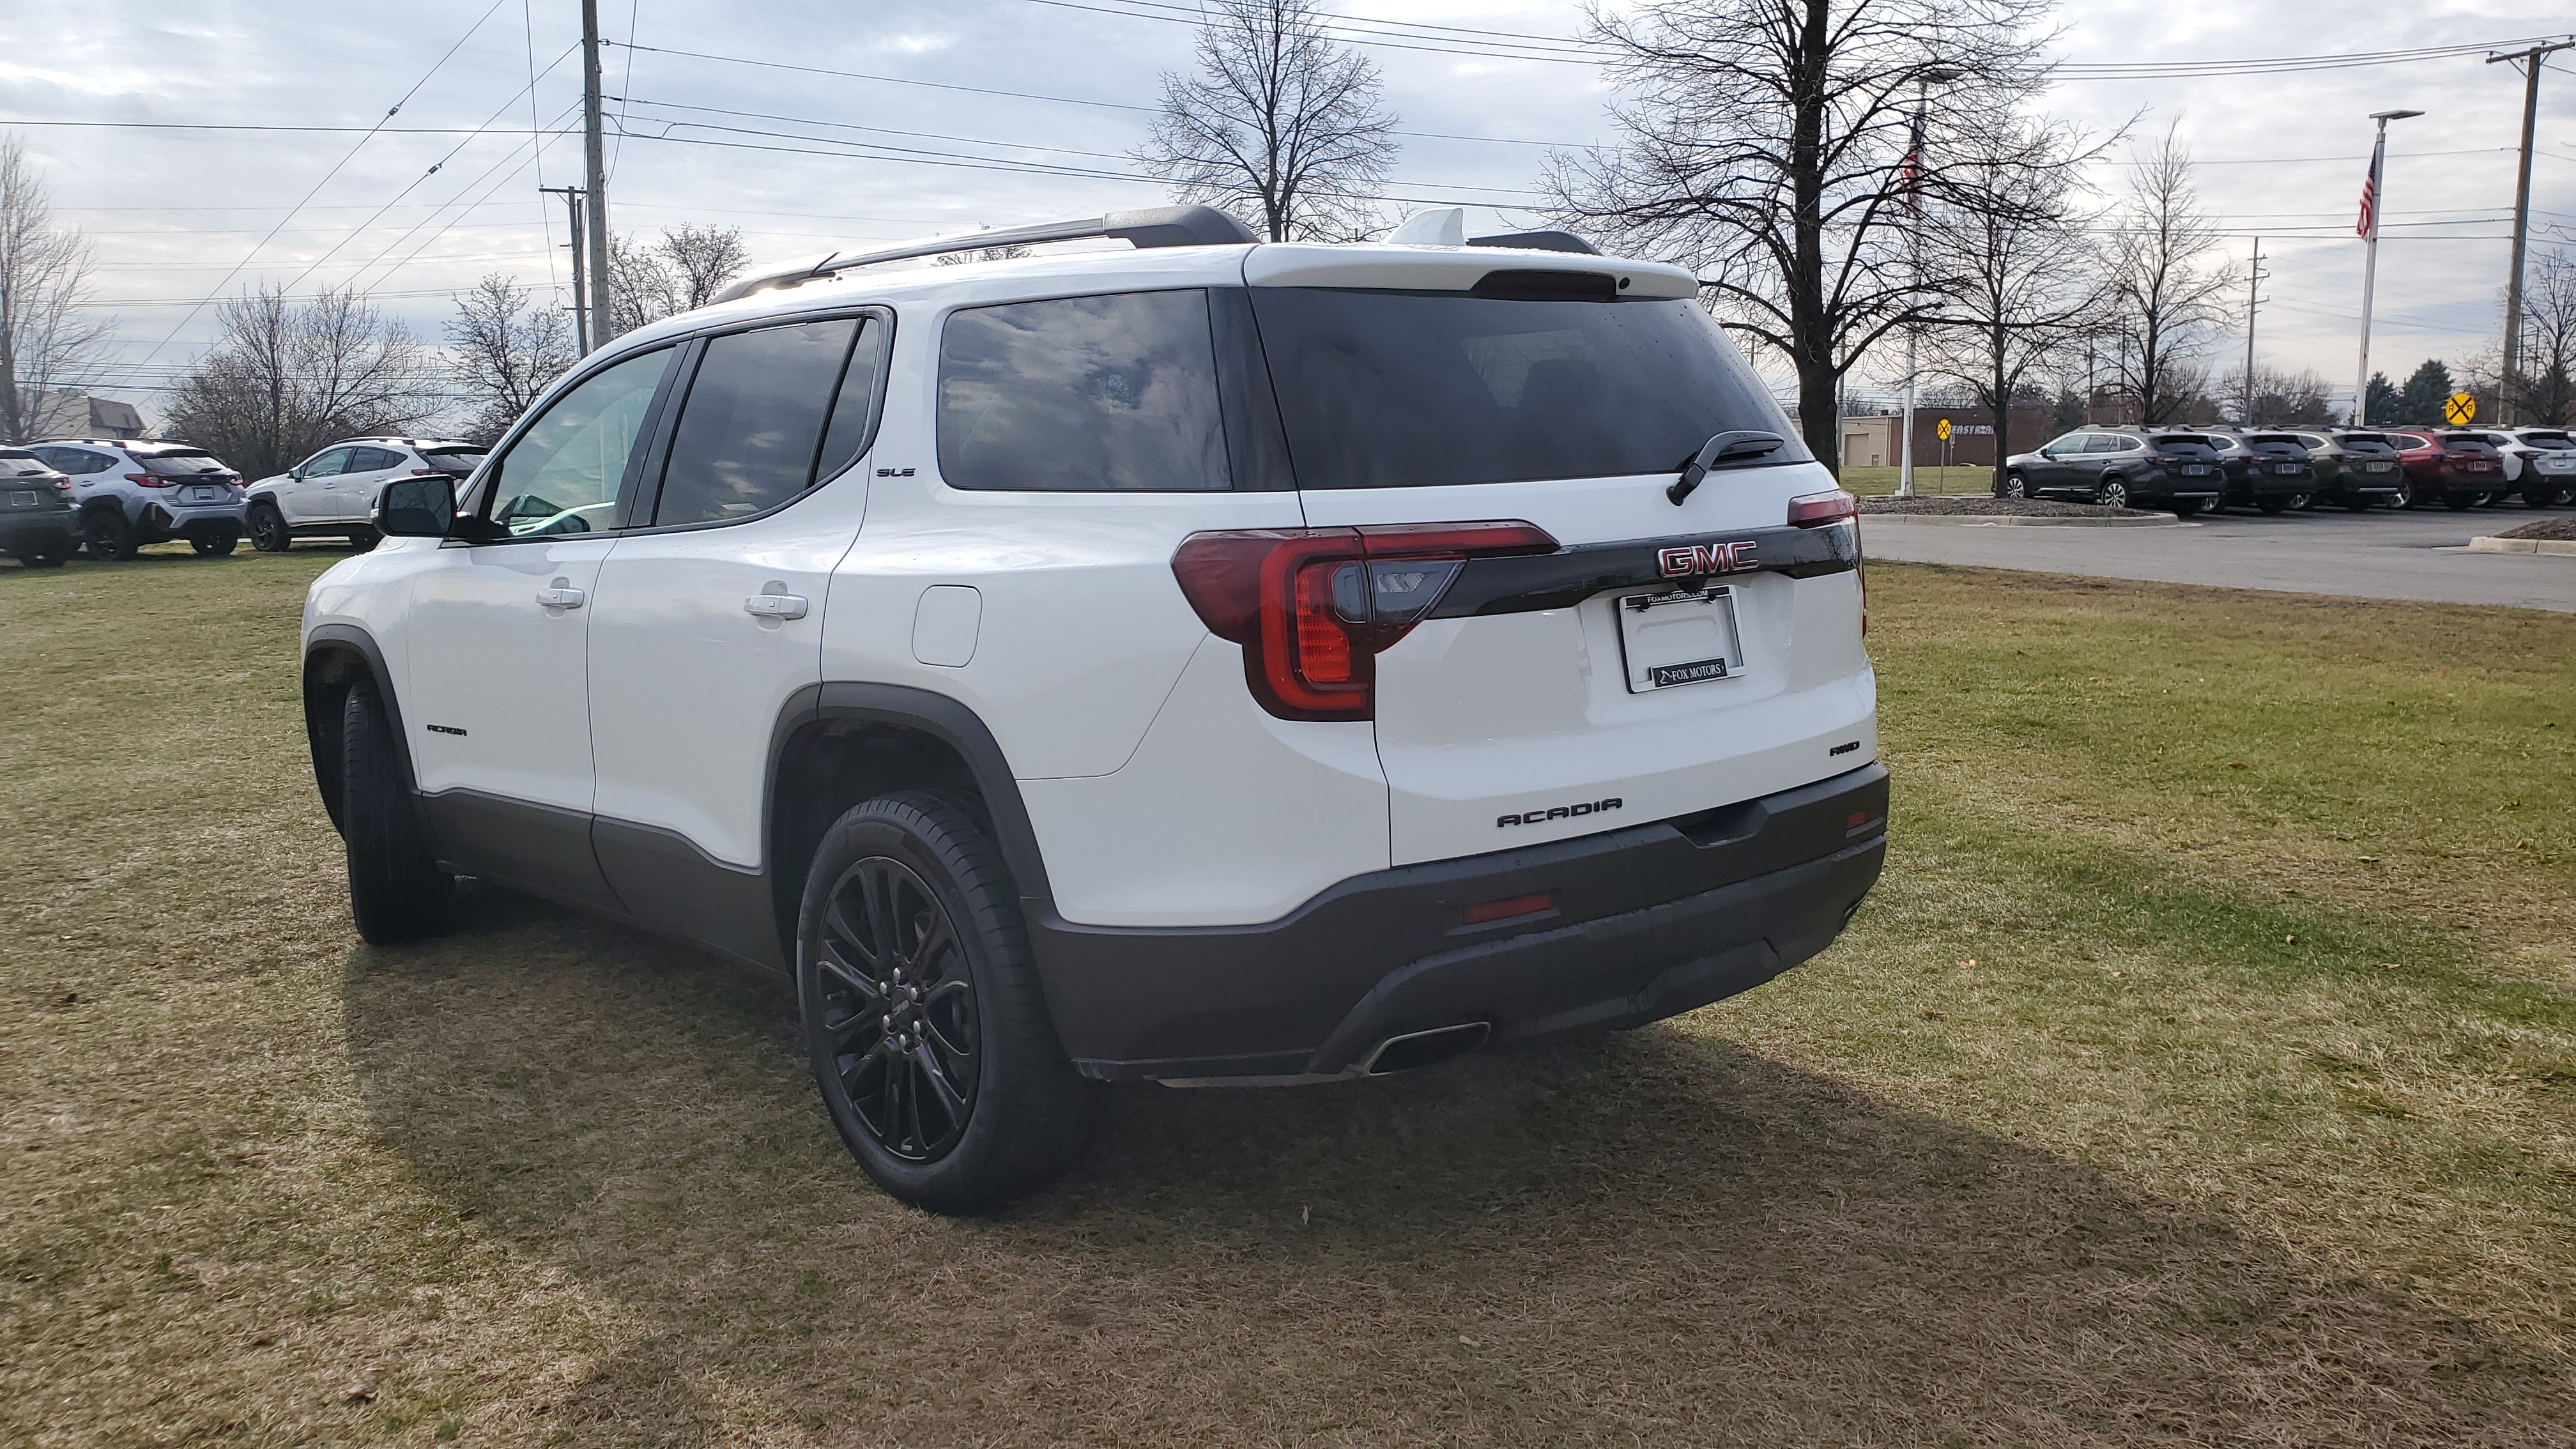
(1644, 923)
(35, 526)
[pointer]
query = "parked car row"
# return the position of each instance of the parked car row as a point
(112, 496)
(2189, 470)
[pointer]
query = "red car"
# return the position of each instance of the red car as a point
(2460, 469)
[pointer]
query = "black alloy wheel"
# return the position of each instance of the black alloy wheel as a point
(268, 530)
(2114, 493)
(924, 1021)
(107, 536)
(214, 544)
(2015, 487)
(899, 1004)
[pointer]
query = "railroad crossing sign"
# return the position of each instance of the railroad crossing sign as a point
(1941, 430)
(2459, 409)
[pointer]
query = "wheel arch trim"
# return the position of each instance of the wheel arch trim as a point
(327, 650)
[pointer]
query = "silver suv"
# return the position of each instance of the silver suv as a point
(333, 493)
(133, 491)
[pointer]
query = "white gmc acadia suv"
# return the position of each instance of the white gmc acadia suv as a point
(1209, 662)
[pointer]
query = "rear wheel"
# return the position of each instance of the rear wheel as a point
(2184, 507)
(396, 890)
(2302, 502)
(214, 544)
(2404, 497)
(2536, 496)
(922, 1015)
(268, 531)
(107, 536)
(2273, 505)
(2459, 502)
(2356, 502)
(48, 554)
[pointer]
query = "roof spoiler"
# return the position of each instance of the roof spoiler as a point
(1154, 226)
(1538, 241)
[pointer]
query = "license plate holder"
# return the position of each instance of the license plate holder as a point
(1679, 637)
(205, 495)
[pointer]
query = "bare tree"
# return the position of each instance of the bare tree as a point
(46, 331)
(2281, 399)
(2546, 382)
(2025, 278)
(286, 378)
(1281, 126)
(503, 351)
(679, 271)
(2169, 300)
(1767, 145)
(983, 254)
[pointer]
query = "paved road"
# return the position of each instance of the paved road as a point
(2377, 555)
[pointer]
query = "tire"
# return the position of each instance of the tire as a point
(2356, 502)
(2302, 502)
(2014, 487)
(214, 545)
(967, 1098)
(2405, 495)
(2461, 502)
(396, 890)
(107, 536)
(2185, 507)
(47, 555)
(2113, 493)
(363, 539)
(268, 530)
(2273, 505)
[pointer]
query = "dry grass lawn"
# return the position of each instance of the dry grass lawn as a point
(2204, 1072)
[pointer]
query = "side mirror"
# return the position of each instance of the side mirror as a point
(417, 507)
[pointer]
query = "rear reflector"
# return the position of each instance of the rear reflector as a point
(1312, 607)
(1512, 909)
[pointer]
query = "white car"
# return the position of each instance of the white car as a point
(2539, 462)
(333, 493)
(1211, 662)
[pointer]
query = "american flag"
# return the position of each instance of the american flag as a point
(1910, 177)
(2368, 226)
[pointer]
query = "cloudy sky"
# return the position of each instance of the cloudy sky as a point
(810, 125)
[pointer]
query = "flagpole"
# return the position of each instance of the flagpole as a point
(2374, 200)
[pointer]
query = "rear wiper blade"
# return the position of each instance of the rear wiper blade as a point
(1723, 448)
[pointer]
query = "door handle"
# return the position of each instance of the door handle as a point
(561, 595)
(774, 606)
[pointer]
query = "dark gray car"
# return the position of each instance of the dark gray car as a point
(2119, 468)
(37, 524)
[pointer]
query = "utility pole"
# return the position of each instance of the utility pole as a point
(594, 156)
(2373, 201)
(580, 308)
(1924, 81)
(2253, 280)
(2521, 221)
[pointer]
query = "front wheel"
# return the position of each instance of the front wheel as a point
(2114, 493)
(268, 531)
(2014, 487)
(396, 890)
(922, 1014)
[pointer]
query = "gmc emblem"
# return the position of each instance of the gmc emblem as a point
(1699, 560)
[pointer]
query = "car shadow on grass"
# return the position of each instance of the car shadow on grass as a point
(1657, 1237)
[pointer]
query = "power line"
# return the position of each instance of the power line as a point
(327, 175)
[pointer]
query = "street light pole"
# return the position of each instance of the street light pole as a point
(1924, 80)
(2374, 200)
(2530, 59)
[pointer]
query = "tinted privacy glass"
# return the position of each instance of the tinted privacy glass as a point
(753, 421)
(179, 465)
(1398, 389)
(1082, 394)
(74, 460)
(561, 476)
(2109, 443)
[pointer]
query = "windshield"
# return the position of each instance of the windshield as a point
(179, 465)
(1410, 389)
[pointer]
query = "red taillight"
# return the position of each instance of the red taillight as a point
(149, 481)
(1312, 607)
(1815, 510)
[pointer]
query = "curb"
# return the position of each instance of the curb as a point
(2015, 520)
(2522, 545)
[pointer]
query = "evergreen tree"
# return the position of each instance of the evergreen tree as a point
(2383, 400)
(2420, 401)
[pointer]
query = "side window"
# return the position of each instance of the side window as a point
(2109, 443)
(561, 476)
(329, 463)
(374, 460)
(77, 462)
(1082, 394)
(2071, 443)
(751, 430)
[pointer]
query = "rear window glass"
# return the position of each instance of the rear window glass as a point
(2548, 440)
(1082, 394)
(2467, 442)
(753, 421)
(2180, 440)
(180, 464)
(461, 460)
(1407, 389)
(2269, 439)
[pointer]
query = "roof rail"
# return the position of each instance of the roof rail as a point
(1156, 226)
